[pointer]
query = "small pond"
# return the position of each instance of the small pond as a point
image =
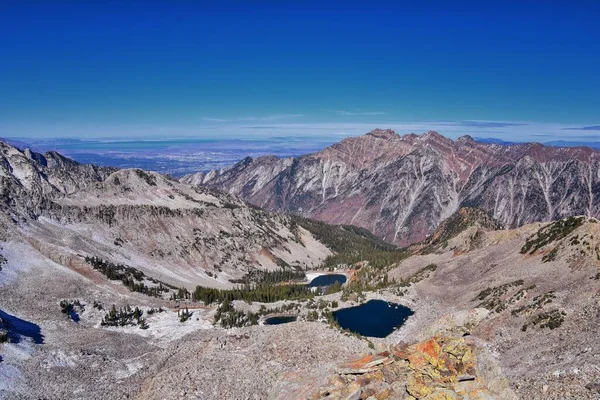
(375, 318)
(327, 280)
(282, 319)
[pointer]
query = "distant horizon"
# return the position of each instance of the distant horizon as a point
(510, 131)
(180, 156)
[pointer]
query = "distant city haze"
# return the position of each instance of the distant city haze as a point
(226, 146)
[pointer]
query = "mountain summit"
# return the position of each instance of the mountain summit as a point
(383, 134)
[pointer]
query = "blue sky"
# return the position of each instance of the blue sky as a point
(143, 69)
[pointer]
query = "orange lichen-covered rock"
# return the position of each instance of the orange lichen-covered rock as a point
(441, 368)
(418, 387)
(431, 349)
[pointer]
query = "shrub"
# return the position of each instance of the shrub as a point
(550, 233)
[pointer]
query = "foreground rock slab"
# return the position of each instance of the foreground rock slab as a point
(441, 368)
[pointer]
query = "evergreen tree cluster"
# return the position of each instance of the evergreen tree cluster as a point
(263, 293)
(271, 277)
(131, 277)
(229, 317)
(334, 288)
(181, 294)
(351, 244)
(124, 316)
(367, 279)
(282, 309)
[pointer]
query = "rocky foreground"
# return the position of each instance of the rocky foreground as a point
(441, 368)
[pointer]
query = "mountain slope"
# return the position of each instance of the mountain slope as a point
(402, 187)
(180, 234)
(531, 294)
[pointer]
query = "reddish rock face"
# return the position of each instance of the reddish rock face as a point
(402, 187)
(439, 368)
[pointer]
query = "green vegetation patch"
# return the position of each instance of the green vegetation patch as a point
(129, 276)
(493, 298)
(550, 319)
(551, 256)
(180, 294)
(270, 277)
(124, 316)
(263, 293)
(286, 308)
(457, 223)
(550, 233)
(351, 244)
(366, 279)
(229, 317)
(537, 303)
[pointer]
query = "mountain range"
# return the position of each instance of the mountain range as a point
(110, 278)
(402, 187)
(186, 235)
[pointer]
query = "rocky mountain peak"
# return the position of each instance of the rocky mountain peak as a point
(435, 137)
(36, 157)
(56, 160)
(465, 139)
(435, 134)
(29, 178)
(386, 134)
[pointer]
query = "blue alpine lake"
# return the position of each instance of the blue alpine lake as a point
(327, 280)
(375, 318)
(282, 319)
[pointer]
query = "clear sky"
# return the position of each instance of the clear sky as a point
(110, 68)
